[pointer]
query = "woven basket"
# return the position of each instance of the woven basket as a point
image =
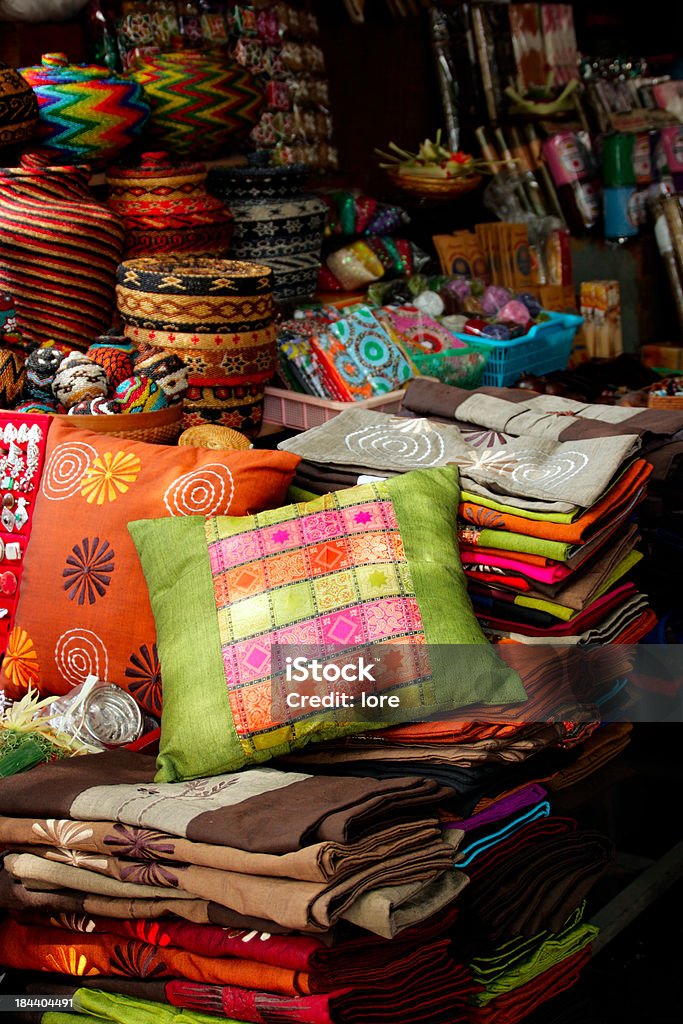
(667, 402)
(162, 427)
(435, 188)
(218, 438)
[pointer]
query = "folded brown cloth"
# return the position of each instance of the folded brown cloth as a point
(20, 898)
(532, 881)
(261, 810)
(321, 862)
(518, 412)
(598, 750)
(289, 902)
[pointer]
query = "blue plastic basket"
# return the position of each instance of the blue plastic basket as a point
(545, 348)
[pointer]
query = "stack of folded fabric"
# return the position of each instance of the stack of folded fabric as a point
(251, 873)
(546, 527)
(490, 413)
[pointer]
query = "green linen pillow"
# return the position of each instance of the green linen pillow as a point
(376, 564)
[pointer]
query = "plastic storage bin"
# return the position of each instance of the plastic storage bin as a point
(545, 348)
(301, 412)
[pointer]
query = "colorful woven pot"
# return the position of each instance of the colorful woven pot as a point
(87, 114)
(275, 222)
(12, 376)
(239, 406)
(199, 103)
(192, 297)
(59, 250)
(18, 108)
(166, 208)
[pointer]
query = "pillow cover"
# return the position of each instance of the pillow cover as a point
(361, 567)
(84, 605)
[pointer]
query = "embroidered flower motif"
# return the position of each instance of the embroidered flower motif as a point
(151, 873)
(492, 462)
(21, 661)
(65, 960)
(486, 518)
(61, 832)
(363, 517)
(137, 961)
(139, 843)
(88, 570)
(484, 438)
(144, 676)
(77, 859)
(73, 922)
(109, 476)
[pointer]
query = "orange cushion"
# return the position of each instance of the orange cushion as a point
(84, 606)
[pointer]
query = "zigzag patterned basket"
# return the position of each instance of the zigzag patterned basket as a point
(198, 103)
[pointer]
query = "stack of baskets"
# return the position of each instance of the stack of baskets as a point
(217, 315)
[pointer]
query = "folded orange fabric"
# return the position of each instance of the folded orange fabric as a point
(29, 947)
(627, 489)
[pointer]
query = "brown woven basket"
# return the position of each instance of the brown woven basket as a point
(670, 403)
(435, 188)
(218, 438)
(162, 427)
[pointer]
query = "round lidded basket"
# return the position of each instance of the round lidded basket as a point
(18, 108)
(199, 102)
(88, 114)
(166, 208)
(193, 296)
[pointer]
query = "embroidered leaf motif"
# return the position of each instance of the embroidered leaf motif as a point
(21, 661)
(137, 961)
(77, 858)
(139, 843)
(61, 832)
(144, 675)
(486, 518)
(73, 922)
(66, 960)
(151, 873)
(484, 438)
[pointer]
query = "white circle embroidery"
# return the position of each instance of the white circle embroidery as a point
(203, 492)
(66, 468)
(80, 653)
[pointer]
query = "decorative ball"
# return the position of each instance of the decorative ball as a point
(499, 332)
(140, 394)
(79, 378)
(116, 363)
(514, 312)
(33, 406)
(100, 406)
(12, 377)
(115, 341)
(493, 298)
(168, 371)
(41, 367)
(430, 303)
(531, 303)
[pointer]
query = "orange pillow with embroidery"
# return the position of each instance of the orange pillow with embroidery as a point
(84, 606)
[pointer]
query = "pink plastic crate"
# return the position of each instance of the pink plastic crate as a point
(301, 412)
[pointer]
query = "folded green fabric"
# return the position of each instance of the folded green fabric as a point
(109, 1006)
(515, 967)
(503, 540)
